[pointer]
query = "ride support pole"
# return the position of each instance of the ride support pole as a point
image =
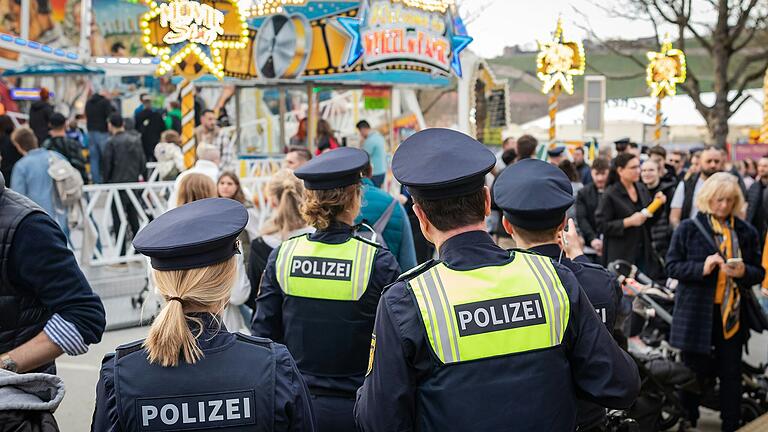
(657, 126)
(553, 95)
(188, 143)
(764, 128)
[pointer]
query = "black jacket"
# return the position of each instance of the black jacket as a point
(42, 278)
(8, 157)
(630, 244)
(661, 230)
(695, 293)
(71, 150)
(257, 263)
(97, 110)
(123, 159)
(757, 208)
(27, 421)
(587, 201)
(150, 124)
(39, 117)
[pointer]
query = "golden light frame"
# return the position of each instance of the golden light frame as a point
(666, 69)
(212, 63)
(559, 60)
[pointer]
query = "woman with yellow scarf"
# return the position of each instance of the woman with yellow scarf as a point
(713, 256)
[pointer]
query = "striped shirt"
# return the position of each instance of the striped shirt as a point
(65, 335)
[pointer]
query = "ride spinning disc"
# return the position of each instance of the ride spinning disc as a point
(282, 46)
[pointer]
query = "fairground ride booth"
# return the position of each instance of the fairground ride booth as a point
(42, 45)
(271, 64)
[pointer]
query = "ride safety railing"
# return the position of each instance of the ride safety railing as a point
(109, 215)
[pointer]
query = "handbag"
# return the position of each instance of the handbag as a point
(751, 312)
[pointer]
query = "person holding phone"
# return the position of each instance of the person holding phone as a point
(714, 255)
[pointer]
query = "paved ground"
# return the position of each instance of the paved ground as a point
(81, 373)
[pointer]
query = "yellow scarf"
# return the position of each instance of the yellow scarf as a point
(727, 293)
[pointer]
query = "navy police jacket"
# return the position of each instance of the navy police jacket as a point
(242, 383)
(330, 339)
(530, 391)
(604, 293)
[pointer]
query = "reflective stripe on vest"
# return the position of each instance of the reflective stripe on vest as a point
(492, 311)
(325, 271)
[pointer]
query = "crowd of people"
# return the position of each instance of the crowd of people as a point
(313, 277)
(683, 217)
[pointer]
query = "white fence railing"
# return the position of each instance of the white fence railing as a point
(111, 214)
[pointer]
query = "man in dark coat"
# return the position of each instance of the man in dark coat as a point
(65, 146)
(124, 162)
(757, 200)
(48, 307)
(40, 116)
(150, 124)
(587, 201)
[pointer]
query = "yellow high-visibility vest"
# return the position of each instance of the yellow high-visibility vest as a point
(492, 311)
(325, 271)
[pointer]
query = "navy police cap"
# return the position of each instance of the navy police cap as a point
(555, 151)
(333, 169)
(441, 163)
(533, 194)
(195, 235)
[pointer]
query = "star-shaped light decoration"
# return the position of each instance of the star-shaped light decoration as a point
(666, 69)
(354, 48)
(178, 30)
(559, 60)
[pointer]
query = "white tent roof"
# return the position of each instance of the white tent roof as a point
(677, 111)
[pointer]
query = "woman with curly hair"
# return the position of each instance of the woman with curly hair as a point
(319, 292)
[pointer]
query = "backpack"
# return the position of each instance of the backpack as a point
(67, 181)
(376, 232)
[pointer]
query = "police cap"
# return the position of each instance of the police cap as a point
(533, 194)
(198, 234)
(333, 169)
(441, 163)
(556, 151)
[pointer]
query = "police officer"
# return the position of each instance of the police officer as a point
(534, 197)
(483, 338)
(190, 373)
(319, 291)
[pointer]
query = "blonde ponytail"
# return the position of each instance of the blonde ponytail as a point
(204, 289)
(287, 189)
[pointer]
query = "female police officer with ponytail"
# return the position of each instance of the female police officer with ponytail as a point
(319, 291)
(190, 373)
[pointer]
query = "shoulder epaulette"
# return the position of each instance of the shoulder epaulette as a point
(419, 269)
(593, 266)
(253, 339)
(131, 347)
(107, 358)
(297, 236)
(368, 241)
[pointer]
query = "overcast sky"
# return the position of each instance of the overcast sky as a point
(519, 22)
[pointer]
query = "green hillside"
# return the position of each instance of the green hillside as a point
(611, 65)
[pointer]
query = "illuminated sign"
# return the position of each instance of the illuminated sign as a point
(189, 37)
(191, 21)
(27, 94)
(397, 32)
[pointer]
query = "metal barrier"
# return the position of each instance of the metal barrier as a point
(110, 214)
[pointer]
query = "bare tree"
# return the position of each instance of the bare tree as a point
(728, 31)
